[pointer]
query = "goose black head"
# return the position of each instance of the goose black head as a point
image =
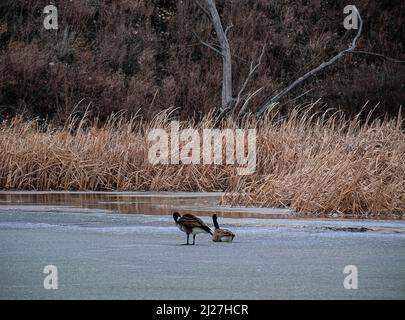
(176, 216)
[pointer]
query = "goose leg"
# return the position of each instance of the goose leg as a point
(186, 244)
(193, 239)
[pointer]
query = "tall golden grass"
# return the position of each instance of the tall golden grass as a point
(308, 162)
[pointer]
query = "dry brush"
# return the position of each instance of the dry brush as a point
(308, 162)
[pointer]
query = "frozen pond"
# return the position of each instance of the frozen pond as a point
(102, 252)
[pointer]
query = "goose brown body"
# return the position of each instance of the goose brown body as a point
(221, 235)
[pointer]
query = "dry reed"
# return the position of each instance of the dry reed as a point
(310, 163)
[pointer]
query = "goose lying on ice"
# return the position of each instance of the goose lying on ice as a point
(221, 235)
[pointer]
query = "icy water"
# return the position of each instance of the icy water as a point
(126, 246)
(150, 203)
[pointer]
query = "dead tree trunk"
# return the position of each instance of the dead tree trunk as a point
(226, 56)
(224, 50)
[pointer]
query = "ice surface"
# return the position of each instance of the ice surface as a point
(101, 254)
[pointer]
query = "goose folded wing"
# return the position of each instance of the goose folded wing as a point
(225, 233)
(191, 221)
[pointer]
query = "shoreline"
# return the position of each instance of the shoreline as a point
(207, 207)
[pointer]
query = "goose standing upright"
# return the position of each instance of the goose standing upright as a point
(190, 225)
(221, 235)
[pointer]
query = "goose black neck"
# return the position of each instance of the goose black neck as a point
(214, 219)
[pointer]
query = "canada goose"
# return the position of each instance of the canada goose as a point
(191, 225)
(221, 235)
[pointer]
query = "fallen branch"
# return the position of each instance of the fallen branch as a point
(250, 96)
(378, 55)
(278, 96)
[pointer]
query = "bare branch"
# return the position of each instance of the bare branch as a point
(303, 94)
(250, 96)
(228, 28)
(313, 71)
(378, 55)
(207, 44)
(203, 8)
(252, 70)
